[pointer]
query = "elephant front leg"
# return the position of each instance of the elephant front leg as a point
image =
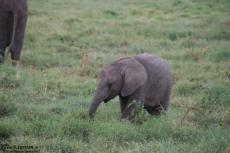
(125, 110)
(128, 112)
(123, 104)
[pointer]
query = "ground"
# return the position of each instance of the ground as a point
(68, 42)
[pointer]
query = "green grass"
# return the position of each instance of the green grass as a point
(68, 42)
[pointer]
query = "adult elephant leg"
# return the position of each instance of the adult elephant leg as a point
(20, 19)
(3, 34)
(10, 26)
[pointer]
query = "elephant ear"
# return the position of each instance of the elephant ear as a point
(134, 77)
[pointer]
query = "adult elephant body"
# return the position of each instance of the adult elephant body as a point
(145, 78)
(13, 18)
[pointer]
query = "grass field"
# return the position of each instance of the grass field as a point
(68, 42)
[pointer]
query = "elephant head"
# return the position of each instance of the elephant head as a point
(122, 77)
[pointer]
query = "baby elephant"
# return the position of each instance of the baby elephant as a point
(145, 78)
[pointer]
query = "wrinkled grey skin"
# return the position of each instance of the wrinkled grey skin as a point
(145, 78)
(13, 18)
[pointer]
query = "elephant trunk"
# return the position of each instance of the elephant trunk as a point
(97, 100)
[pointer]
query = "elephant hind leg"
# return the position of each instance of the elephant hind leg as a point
(165, 99)
(153, 110)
